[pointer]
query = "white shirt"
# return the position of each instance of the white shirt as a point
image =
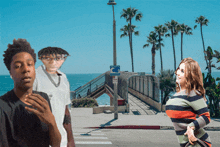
(58, 93)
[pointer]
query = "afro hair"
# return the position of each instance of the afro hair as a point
(19, 45)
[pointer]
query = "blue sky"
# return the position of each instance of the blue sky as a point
(84, 29)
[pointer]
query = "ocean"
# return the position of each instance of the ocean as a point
(75, 80)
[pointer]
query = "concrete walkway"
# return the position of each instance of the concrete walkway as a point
(140, 116)
(92, 130)
(84, 118)
(137, 107)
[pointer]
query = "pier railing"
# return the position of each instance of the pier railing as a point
(89, 87)
(143, 85)
(147, 85)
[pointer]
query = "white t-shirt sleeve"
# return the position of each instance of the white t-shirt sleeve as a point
(68, 101)
(67, 98)
(35, 84)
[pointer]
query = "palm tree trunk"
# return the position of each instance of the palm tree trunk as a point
(209, 67)
(153, 60)
(204, 47)
(132, 54)
(181, 46)
(131, 51)
(132, 58)
(174, 54)
(161, 61)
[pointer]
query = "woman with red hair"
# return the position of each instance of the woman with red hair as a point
(188, 102)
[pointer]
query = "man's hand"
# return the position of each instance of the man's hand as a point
(190, 134)
(40, 108)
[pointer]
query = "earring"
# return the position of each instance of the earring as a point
(11, 77)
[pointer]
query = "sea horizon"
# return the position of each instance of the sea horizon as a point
(76, 80)
(128, 71)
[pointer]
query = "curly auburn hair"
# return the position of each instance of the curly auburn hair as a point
(20, 45)
(194, 78)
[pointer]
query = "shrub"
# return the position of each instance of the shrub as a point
(167, 84)
(84, 102)
(213, 92)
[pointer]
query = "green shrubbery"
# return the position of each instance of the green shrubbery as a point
(210, 83)
(84, 102)
(167, 84)
(213, 93)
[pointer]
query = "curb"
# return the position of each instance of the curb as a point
(127, 127)
(212, 128)
(148, 127)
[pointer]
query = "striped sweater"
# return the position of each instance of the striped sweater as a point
(183, 111)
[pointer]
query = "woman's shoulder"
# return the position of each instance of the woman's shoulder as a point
(191, 96)
(192, 93)
(180, 93)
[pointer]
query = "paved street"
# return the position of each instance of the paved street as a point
(91, 138)
(132, 138)
(140, 115)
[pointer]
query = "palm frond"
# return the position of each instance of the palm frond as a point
(213, 65)
(195, 26)
(146, 45)
(136, 33)
(205, 22)
(138, 17)
(217, 52)
(189, 33)
(167, 35)
(202, 20)
(123, 35)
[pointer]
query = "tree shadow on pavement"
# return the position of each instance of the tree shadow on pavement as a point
(101, 126)
(108, 123)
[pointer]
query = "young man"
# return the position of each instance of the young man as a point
(53, 82)
(25, 115)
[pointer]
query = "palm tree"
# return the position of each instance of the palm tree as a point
(172, 26)
(127, 29)
(202, 21)
(152, 39)
(128, 14)
(212, 89)
(160, 30)
(217, 56)
(183, 29)
(167, 84)
(209, 56)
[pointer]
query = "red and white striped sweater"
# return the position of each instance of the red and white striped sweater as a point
(182, 110)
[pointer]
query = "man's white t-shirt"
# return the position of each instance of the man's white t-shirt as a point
(58, 90)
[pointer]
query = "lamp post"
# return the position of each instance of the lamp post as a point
(112, 2)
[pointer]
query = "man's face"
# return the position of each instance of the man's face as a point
(52, 62)
(22, 70)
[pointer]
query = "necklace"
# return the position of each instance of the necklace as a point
(48, 75)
